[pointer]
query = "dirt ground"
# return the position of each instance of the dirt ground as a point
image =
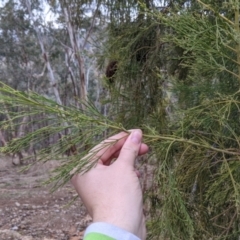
(29, 211)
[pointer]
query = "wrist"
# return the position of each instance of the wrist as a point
(137, 228)
(114, 220)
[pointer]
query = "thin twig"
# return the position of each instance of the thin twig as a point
(183, 140)
(223, 17)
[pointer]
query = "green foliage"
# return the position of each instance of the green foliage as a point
(177, 78)
(136, 46)
(195, 51)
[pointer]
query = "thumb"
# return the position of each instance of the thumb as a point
(130, 148)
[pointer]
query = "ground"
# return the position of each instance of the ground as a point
(29, 211)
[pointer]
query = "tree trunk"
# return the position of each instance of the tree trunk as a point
(76, 50)
(2, 139)
(44, 54)
(70, 71)
(20, 134)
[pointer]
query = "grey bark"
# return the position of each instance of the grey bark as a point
(44, 54)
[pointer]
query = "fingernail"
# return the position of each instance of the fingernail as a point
(136, 137)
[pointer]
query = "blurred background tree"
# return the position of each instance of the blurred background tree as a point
(171, 68)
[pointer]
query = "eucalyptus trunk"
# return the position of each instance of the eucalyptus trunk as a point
(45, 55)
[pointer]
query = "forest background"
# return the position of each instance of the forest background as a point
(74, 72)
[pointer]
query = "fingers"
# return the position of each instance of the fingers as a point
(143, 150)
(111, 148)
(131, 147)
(107, 148)
(137, 173)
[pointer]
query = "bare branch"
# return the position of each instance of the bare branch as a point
(92, 24)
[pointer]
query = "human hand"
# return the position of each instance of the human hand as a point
(112, 192)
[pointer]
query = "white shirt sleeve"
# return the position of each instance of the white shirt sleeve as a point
(111, 231)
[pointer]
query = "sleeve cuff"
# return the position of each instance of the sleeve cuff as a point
(110, 231)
